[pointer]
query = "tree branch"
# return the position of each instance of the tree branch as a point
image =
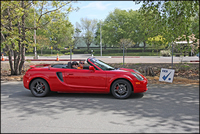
(50, 11)
(3, 36)
(42, 6)
(31, 28)
(5, 26)
(28, 5)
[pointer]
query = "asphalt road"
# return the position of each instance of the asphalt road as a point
(164, 108)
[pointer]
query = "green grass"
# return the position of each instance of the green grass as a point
(43, 54)
(130, 54)
(110, 54)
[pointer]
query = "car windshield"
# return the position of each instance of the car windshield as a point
(101, 64)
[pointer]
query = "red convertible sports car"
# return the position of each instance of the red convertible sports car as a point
(96, 78)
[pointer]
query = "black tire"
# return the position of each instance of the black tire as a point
(121, 89)
(39, 88)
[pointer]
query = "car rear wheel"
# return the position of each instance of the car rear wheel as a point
(39, 88)
(121, 89)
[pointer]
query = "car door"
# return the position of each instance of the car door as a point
(86, 80)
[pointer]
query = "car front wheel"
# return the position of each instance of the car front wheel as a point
(121, 89)
(39, 88)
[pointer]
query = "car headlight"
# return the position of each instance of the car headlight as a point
(137, 76)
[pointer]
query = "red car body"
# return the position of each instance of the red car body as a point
(94, 79)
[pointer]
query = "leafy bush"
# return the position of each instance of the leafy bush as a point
(68, 53)
(165, 52)
(86, 52)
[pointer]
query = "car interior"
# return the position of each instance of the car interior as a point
(68, 65)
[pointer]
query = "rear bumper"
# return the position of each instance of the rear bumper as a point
(26, 82)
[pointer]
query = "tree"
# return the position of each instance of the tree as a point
(174, 18)
(195, 26)
(14, 32)
(184, 48)
(60, 32)
(106, 35)
(119, 24)
(88, 28)
(77, 34)
(125, 43)
(43, 42)
(116, 26)
(17, 24)
(157, 42)
(148, 25)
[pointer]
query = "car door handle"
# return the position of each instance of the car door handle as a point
(70, 74)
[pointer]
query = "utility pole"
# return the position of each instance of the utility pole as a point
(70, 52)
(100, 39)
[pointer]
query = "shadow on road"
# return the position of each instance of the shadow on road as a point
(172, 106)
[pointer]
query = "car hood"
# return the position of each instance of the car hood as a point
(130, 70)
(127, 70)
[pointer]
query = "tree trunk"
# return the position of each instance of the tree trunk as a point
(16, 63)
(10, 60)
(105, 46)
(157, 52)
(144, 46)
(10, 50)
(88, 45)
(23, 39)
(17, 54)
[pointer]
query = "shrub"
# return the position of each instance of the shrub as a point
(86, 52)
(165, 52)
(68, 53)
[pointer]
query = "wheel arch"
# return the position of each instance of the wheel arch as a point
(39, 78)
(121, 79)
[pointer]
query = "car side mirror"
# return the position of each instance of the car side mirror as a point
(91, 68)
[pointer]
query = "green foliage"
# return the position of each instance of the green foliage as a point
(171, 19)
(86, 52)
(19, 19)
(60, 32)
(126, 43)
(68, 53)
(165, 52)
(184, 67)
(158, 42)
(87, 30)
(118, 25)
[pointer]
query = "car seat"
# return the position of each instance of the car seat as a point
(69, 64)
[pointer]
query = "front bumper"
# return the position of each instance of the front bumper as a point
(141, 86)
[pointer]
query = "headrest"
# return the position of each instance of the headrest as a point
(69, 64)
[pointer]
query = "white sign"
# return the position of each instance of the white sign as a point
(166, 75)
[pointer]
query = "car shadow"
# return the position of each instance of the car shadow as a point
(92, 95)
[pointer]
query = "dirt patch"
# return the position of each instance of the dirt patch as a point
(185, 73)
